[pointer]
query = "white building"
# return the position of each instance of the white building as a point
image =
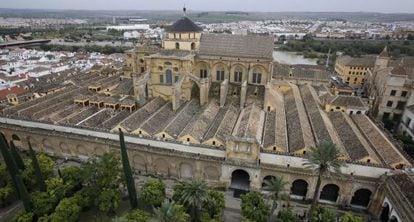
(406, 126)
(142, 27)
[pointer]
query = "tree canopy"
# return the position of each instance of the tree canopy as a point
(170, 211)
(254, 207)
(153, 192)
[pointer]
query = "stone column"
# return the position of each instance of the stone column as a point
(267, 98)
(345, 193)
(243, 93)
(176, 94)
(224, 87)
(204, 87)
(139, 85)
(377, 199)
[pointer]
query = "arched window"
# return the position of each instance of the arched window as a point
(257, 76)
(299, 188)
(385, 213)
(220, 73)
(330, 193)
(168, 76)
(238, 74)
(177, 45)
(186, 171)
(393, 219)
(203, 71)
(193, 46)
(268, 179)
(15, 137)
(361, 198)
(240, 182)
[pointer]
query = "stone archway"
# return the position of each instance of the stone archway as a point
(16, 141)
(64, 148)
(161, 167)
(211, 173)
(238, 73)
(299, 188)
(393, 219)
(139, 164)
(361, 198)
(240, 182)
(15, 137)
(219, 72)
(267, 178)
(99, 151)
(195, 91)
(81, 150)
(186, 171)
(47, 145)
(202, 70)
(329, 193)
(385, 213)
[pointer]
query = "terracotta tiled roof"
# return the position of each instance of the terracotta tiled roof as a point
(13, 90)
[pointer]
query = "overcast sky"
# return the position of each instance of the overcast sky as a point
(220, 5)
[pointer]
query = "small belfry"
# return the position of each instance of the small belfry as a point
(184, 34)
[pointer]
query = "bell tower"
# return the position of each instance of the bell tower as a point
(184, 34)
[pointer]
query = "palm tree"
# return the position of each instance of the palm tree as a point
(276, 187)
(169, 211)
(192, 195)
(324, 159)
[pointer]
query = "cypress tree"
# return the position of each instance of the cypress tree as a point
(11, 165)
(24, 195)
(132, 193)
(16, 157)
(39, 176)
(60, 174)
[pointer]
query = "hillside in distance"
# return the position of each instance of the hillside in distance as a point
(206, 17)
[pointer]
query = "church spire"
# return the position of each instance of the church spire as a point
(184, 11)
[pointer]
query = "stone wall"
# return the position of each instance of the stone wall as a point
(175, 164)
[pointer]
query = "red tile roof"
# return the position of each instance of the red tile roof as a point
(12, 90)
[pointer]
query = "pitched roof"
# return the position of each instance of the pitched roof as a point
(13, 90)
(250, 46)
(353, 61)
(384, 53)
(405, 184)
(184, 24)
(348, 101)
(410, 108)
(399, 70)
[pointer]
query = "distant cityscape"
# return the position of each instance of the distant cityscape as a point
(254, 116)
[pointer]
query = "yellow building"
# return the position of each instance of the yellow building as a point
(353, 70)
(191, 64)
(350, 105)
